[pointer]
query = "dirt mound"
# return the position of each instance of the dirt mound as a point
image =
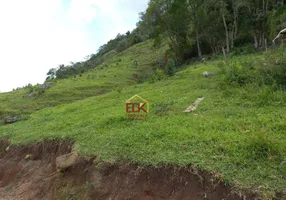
(30, 173)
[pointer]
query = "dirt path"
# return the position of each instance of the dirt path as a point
(36, 178)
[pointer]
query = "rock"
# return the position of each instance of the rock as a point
(135, 63)
(10, 120)
(207, 74)
(28, 156)
(46, 85)
(13, 119)
(7, 149)
(65, 161)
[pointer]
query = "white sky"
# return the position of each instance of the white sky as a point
(36, 35)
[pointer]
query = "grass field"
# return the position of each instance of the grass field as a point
(115, 73)
(238, 133)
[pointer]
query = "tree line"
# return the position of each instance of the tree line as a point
(193, 28)
(197, 27)
(116, 45)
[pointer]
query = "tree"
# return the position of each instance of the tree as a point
(193, 28)
(52, 73)
(170, 18)
(127, 33)
(122, 45)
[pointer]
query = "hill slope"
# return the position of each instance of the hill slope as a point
(236, 132)
(116, 72)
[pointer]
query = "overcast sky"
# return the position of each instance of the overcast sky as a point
(36, 35)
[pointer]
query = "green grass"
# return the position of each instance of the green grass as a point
(234, 132)
(115, 72)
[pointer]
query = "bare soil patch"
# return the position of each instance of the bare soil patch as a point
(29, 172)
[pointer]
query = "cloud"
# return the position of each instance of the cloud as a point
(38, 35)
(122, 14)
(82, 12)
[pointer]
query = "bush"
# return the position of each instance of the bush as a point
(136, 38)
(34, 91)
(109, 55)
(171, 67)
(244, 50)
(273, 68)
(157, 42)
(268, 71)
(158, 75)
(122, 45)
(118, 90)
(241, 74)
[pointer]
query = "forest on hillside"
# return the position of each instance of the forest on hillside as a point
(193, 28)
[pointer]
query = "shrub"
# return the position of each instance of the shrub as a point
(273, 68)
(157, 42)
(270, 70)
(241, 74)
(118, 90)
(158, 75)
(171, 67)
(34, 91)
(136, 38)
(122, 45)
(244, 50)
(109, 55)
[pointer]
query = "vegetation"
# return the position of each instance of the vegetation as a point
(170, 67)
(270, 71)
(192, 29)
(200, 27)
(238, 132)
(115, 72)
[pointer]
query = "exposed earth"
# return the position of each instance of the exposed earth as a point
(29, 172)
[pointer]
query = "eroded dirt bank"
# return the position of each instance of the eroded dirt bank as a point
(30, 173)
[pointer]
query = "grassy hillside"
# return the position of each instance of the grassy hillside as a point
(116, 72)
(237, 132)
